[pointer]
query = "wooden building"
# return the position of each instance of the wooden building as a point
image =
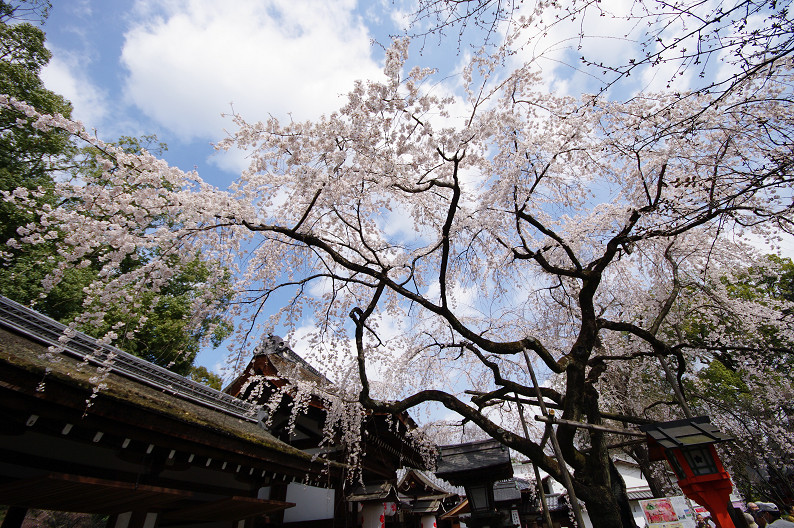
(386, 444)
(132, 441)
(425, 501)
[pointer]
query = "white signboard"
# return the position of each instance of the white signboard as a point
(685, 514)
(668, 512)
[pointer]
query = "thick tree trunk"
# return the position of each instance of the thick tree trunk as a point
(608, 506)
(622, 497)
(603, 509)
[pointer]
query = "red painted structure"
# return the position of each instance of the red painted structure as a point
(688, 446)
(712, 490)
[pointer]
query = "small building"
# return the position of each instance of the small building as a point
(424, 500)
(478, 467)
(387, 444)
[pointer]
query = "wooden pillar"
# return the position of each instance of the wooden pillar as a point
(278, 491)
(14, 517)
(134, 519)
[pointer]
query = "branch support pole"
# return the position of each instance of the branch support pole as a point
(538, 482)
(676, 388)
(591, 427)
(566, 477)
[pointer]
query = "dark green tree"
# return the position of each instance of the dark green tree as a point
(28, 156)
(166, 337)
(31, 158)
(202, 375)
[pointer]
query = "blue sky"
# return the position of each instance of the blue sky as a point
(172, 68)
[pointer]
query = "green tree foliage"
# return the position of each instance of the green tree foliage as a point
(167, 337)
(202, 375)
(28, 156)
(748, 398)
(761, 420)
(768, 285)
(32, 158)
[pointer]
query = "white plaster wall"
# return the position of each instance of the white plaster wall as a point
(631, 475)
(310, 503)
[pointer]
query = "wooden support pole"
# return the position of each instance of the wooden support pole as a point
(566, 477)
(591, 427)
(541, 493)
(552, 405)
(676, 388)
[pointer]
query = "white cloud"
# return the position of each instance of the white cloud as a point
(63, 76)
(232, 161)
(401, 18)
(188, 61)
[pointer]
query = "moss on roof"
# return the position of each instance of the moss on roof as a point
(32, 357)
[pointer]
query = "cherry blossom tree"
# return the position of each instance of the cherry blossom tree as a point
(715, 45)
(708, 48)
(745, 394)
(440, 245)
(32, 157)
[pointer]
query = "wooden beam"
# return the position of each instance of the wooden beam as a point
(64, 492)
(229, 508)
(592, 427)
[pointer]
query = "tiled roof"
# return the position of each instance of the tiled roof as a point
(639, 493)
(488, 455)
(274, 346)
(431, 484)
(371, 492)
(36, 326)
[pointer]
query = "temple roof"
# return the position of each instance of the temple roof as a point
(381, 491)
(103, 441)
(276, 348)
(487, 459)
(25, 356)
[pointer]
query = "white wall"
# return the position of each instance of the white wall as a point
(310, 503)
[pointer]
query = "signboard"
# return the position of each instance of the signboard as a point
(659, 511)
(668, 512)
(682, 509)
